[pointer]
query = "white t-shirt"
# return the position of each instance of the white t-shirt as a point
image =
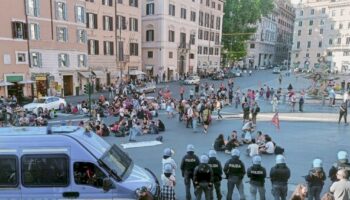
(270, 147)
(253, 149)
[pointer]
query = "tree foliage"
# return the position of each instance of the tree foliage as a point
(238, 25)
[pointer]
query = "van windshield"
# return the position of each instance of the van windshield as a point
(117, 162)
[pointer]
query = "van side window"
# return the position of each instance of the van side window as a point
(45, 170)
(86, 173)
(8, 171)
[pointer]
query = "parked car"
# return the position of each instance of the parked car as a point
(39, 105)
(218, 76)
(276, 70)
(237, 72)
(229, 74)
(262, 67)
(148, 88)
(192, 80)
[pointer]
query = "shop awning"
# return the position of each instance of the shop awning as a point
(99, 74)
(85, 74)
(149, 67)
(136, 72)
(14, 79)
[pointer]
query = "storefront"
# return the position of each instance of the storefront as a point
(149, 70)
(16, 89)
(41, 84)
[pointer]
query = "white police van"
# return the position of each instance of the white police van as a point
(67, 162)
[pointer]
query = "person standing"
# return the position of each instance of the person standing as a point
(218, 106)
(194, 118)
(235, 170)
(315, 180)
(274, 103)
(343, 112)
(203, 179)
(343, 163)
(257, 175)
(182, 91)
(280, 79)
(206, 118)
(255, 110)
(189, 162)
(167, 159)
(168, 184)
(189, 115)
(301, 103)
(341, 188)
(191, 93)
(217, 173)
(279, 175)
(246, 110)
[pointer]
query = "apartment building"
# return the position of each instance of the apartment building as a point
(171, 35)
(114, 39)
(57, 46)
(210, 19)
(322, 35)
(285, 26)
(14, 49)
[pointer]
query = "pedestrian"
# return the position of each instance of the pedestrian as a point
(218, 108)
(341, 188)
(343, 112)
(203, 179)
(215, 165)
(235, 170)
(206, 118)
(274, 104)
(300, 192)
(315, 180)
(182, 91)
(293, 101)
(167, 159)
(168, 183)
(181, 110)
(189, 162)
(301, 103)
(246, 111)
(191, 93)
(280, 79)
(279, 175)
(257, 175)
(189, 115)
(255, 110)
(194, 118)
(230, 96)
(342, 163)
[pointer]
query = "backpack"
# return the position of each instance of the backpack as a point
(279, 150)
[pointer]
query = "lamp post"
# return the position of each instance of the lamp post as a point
(89, 91)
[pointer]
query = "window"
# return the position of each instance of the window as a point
(207, 3)
(170, 54)
(91, 20)
(35, 59)
(312, 11)
(213, 4)
(134, 49)
(299, 32)
(298, 45)
(206, 20)
(9, 171)
(34, 32)
(320, 44)
(330, 41)
(349, 25)
(219, 6)
(19, 30)
(212, 21)
(121, 51)
(311, 22)
(193, 39)
(183, 13)
(252, 45)
(121, 22)
(107, 2)
(307, 55)
(108, 48)
(61, 11)
(321, 22)
(347, 40)
(86, 173)
(81, 35)
(171, 9)
(318, 55)
(63, 60)
(216, 51)
(340, 26)
(339, 41)
(191, 56)
(150, 54)
(296, 55)
(149, 35)
(218, 23)
(341, 12)
(310, 31)
(333, 13)
(212, 36)
(120, 1)
(206, 35)
(309, 44)
(33, 7)
(62, 34)
(332, 26)
(134, 3)
(183, 40)
(200, 50)
(301, 13)
(200, 34)
(321, 30)
(21, 58)
(82, 60)
(200, 20)
(150, 9)
(211, 51)
(205, 50)
(45, 170)
(171, 36)
(93, 47)
(107, 23)
(329, 53)
(133, 24)
(193, 16)
(323, 10)
(80, 14)
(300, 23)
(217, 39)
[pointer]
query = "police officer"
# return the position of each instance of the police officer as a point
(203, 179)
(188, 164)
(315, 180)
(167, 159)
(280, 175)
(234, 170)
(217, 172)
(342, 163)
(257, 175)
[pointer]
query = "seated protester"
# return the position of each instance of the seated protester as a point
(260, 138)
(219, 144)
(123, 129)
(75, 110)
(268, 148)
(248, 127)
(160, 125)
(46, 114)
(153, 129)
(99, 130)
(115, 127)
(232, 142)
(135, 131)
(247, 137)
(105, 130)
(253, 149)
(24, 120)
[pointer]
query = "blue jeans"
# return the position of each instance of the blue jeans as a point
(231, 183)
(133, 133)
(279, 191)
(254, 189)
(194, 124)
(314, 192)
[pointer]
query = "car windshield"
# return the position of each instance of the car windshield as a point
(39, 101)
(117, 162)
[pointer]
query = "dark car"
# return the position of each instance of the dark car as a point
(217, 76)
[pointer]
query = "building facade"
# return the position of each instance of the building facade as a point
(322, 35)
(114, 39)
(171, 35)
(14, 49)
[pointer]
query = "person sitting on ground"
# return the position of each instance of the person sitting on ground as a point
(247, 137)
(269, 147)
(248, 126)
(99, 130)
(161, 126)
(153, 129)
(232, 142)
(253, 149)
(105, 130)
(260, 138)
(219, 144)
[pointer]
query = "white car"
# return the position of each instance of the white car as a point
(192, 80)
(39, 105)
(276, 70)
(149, 88)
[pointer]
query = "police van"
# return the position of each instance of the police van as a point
(67, 162)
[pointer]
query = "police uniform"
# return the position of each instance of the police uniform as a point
(217, 172)
(203, 180)
(257, 175)
(234, 170)
(188, 164)
(315, 181)
(279, 175)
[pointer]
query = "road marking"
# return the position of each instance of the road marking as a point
(141, 144)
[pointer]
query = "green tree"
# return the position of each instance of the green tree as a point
(238, 24)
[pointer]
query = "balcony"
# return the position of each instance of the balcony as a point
(184, 45)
